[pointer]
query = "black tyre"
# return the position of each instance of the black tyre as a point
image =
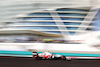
(63, 58)
(37, 57)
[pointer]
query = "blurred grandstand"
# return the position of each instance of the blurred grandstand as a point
(57, 21)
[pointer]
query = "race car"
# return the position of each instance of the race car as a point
(48, 55)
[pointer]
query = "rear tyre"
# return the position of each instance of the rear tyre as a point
(37, 57)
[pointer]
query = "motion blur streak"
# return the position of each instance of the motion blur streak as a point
(30, 62)
(69, 27)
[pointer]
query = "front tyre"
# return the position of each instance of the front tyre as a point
(63, 57)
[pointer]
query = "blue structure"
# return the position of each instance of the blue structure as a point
(97, 21)
(41, 18)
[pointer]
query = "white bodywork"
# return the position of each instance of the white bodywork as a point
(48, 55)
(45, 54)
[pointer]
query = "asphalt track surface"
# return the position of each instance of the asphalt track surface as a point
(30, 62)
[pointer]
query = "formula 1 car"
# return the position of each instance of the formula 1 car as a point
(48, 55)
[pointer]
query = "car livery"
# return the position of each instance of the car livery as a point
(48, 55)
